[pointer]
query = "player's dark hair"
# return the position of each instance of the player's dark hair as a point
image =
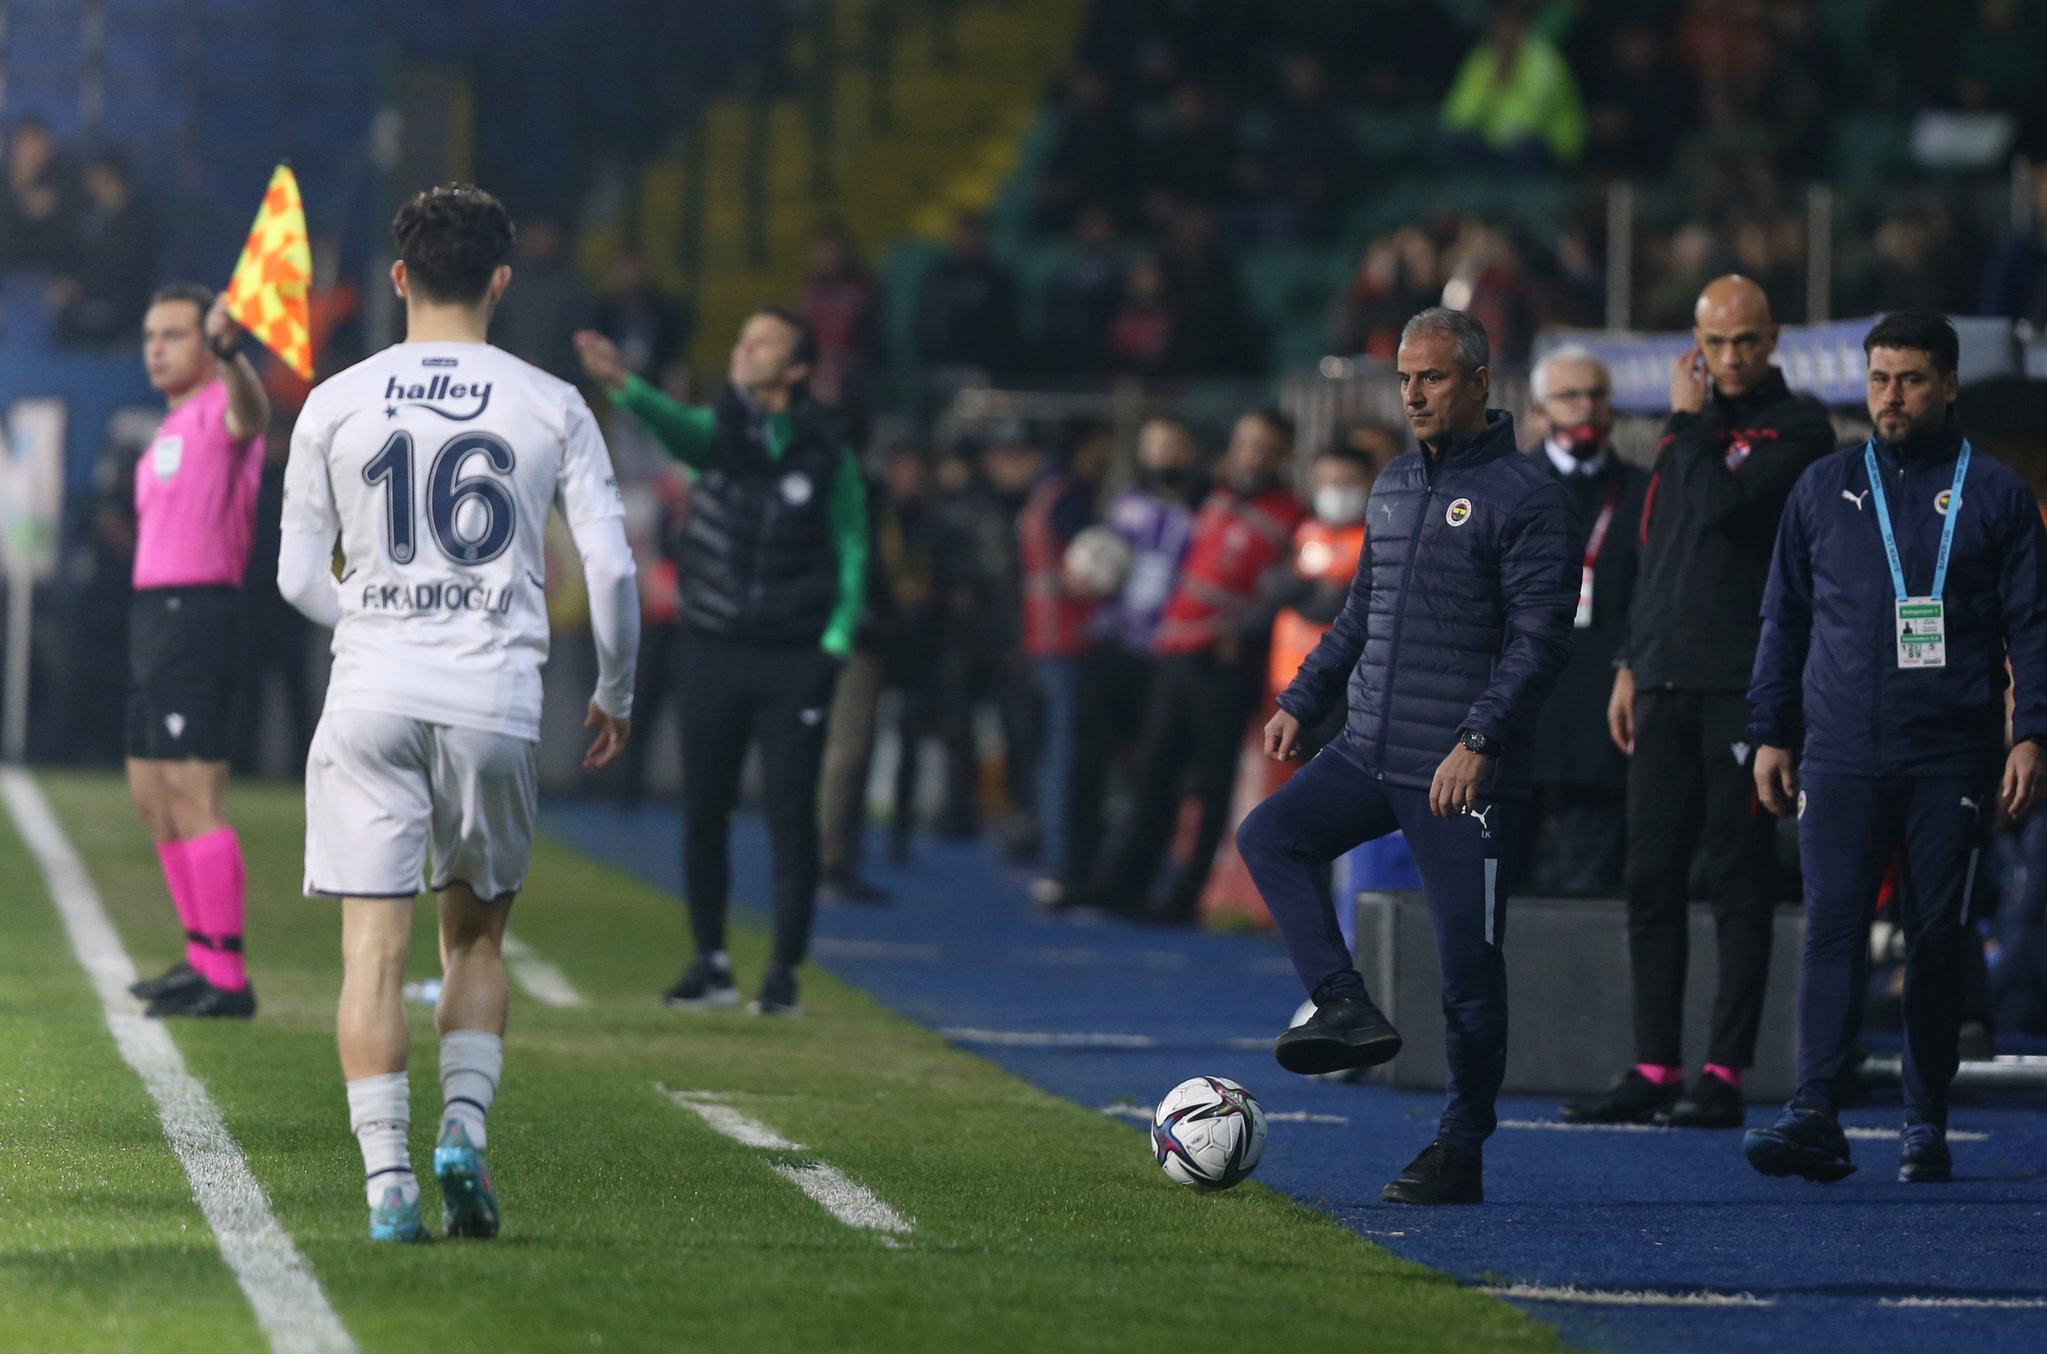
(198, 293)
(451, 239)
(805, 348)
(1275, 420)
(1921, 331)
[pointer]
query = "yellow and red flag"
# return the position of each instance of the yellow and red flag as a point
(267, 295)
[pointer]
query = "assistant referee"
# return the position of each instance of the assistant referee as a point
(1909, 571)
(773, 570)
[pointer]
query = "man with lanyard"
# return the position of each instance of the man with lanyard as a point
(773, 573)
(195, 519)
(1736, 440)
(1908, 573)
(1580, 777)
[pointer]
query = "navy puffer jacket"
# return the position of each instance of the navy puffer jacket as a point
(1459, 617)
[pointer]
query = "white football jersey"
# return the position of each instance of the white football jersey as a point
(437, 464)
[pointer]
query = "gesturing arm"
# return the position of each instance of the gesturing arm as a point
(684, 432)
(1542, 551)
(248, 407)
(848, 516)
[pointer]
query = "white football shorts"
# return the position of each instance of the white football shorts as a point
(388, 796)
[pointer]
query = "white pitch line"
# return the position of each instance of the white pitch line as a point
(2001, 1303)
(1857, 1132)
(542, 980)
(843, 1197)
(289, 1304)
(1535, 1292)
(742, 1129)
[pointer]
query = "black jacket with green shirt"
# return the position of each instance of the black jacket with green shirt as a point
(775, 550)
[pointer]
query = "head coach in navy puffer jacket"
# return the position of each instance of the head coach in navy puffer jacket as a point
(1909, 572)
(1457, 625)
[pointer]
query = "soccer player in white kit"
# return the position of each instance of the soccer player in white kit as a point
(436, 463)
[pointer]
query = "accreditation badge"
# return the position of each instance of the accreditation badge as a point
(1922, 632)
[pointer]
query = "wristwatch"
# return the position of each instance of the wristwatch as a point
(1477, 742)
(226, 351)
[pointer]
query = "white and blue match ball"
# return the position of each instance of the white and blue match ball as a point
(1208, 1132)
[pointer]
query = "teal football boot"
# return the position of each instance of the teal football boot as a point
(469, 1207)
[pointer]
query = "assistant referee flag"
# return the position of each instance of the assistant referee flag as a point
(267, 295)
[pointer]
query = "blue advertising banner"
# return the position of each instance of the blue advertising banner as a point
(1821, 360)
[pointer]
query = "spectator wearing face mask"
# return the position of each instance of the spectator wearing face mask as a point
(1155, 518)
(1326, 549)
(1580, 842)
(1210, 649)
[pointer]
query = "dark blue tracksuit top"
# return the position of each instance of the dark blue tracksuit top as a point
(1828, 655)
(1459, 616)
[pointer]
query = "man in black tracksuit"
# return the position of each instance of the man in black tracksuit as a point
(1457, 624)
(773, 572)
(1727, 461)
(1908, 572)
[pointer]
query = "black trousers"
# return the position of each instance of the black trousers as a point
(735, 695)
(1194, 722)
(1850, 830)
(1114, 683)
(1690, 790)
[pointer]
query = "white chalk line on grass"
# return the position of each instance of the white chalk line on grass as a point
(541, 980)
(1535, 1292)
(289, 1304)
(845, 1198)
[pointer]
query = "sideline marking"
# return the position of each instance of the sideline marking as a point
(1535, 1292)
(845, 1198)
(834, 947)
(2020, 1303)
(748, 1132)
(1860, 1133)
(289, 1304)
(542, 980)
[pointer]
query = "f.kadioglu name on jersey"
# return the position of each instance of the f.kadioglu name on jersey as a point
(423, 597)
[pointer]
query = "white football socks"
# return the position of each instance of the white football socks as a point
(471, 1063)
(380, 1112)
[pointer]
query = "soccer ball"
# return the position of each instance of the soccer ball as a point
(1208, 1132)
(1097, 562)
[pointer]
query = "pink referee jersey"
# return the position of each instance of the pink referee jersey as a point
(195, 498)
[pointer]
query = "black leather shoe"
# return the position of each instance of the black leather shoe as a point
(180, 974)
(1440, 1175)
(1923, 1157)
(1710, 1103)
(1801, 1142)
(1632, 1099)
(1343, 1033)
(204, 1000)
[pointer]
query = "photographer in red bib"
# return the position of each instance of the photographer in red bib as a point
(1909, 570)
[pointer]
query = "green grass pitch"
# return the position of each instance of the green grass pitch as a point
(629, 1224)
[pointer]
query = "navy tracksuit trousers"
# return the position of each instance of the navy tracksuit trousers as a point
(1850, 830)
(1331, 805)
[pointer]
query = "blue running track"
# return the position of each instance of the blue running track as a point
(1111, 1015)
